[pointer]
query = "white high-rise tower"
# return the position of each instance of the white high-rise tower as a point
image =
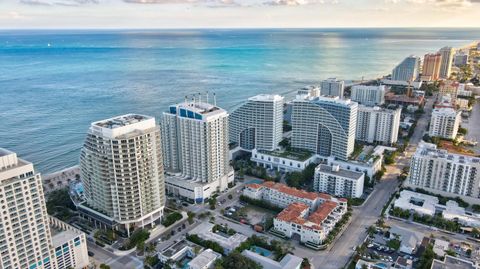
(258, 123)
(196, 150)
(122, 172)
(25, 239)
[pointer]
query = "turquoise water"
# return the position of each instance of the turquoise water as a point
(381, 265)
(53, 84)
(255, 181)
(262, 251)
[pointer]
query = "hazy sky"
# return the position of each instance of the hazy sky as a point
(237, 13)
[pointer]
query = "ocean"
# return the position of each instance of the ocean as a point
(54, 83)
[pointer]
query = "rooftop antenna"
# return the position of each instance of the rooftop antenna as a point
(214, 99)
(199, 97)
(207, 97)
(186, 99)
(193, 99)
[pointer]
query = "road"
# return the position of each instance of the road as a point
(362, 217)
(367, 215)
(341, 251)
(115, 262)
(427, 231)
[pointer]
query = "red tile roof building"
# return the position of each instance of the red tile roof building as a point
(307, 214)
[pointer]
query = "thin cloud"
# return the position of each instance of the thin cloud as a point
(220, 2)
(440, 3)
(58, 2)
(298, 2)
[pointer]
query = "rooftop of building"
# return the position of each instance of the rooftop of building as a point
(445, 109)
(431, 150)
(337, 171)
(390, 96)
(332, 80)
(60, 236)
(10, 161)
(203, 259)
(452, 263)
(402, 261)
(293, 213)
(121, 121)
(266, 98)
(371, 87)
(333, 99)
(292, 191)
(176, 247)
(297, 213)
(254, 186)
(297, 154)
(196, 109)
(322, 212)
(326, 99)
(408, 237)
(204, 230)
(287, 262)
(379, 109)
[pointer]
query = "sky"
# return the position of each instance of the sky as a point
(55, 14)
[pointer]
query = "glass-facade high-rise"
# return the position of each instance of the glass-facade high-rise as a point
(407, 70)
(258, 123)
(325, 126)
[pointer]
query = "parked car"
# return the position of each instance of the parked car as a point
(91, 254)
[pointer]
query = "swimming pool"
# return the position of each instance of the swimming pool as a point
(261, 251)
(255, 180)
(381, 265)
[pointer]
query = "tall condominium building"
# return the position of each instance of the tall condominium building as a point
(461, 59)
(378, 125)
(368, 95)
(338, 182)
(407, 70)
(449, 89)
(324, 125)
(29, 238)
(122, 172)
(431, 66)
(309, 91)
(25, 235)
(332, 87)
(444, 122)
(258, 123)
(196, 149)
(447, 60)
(445, 173)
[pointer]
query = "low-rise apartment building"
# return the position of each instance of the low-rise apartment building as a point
(309, 215)
(311, 228)
(445, 173)
(283, 161)
(338, 181)
(281, 195)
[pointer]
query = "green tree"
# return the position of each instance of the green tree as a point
(475, 232)
(236, 260)
(104, 266)
(305, 263)
(171, 218)
(427, 258)
(190, 215)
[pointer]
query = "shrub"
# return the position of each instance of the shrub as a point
(171, 219)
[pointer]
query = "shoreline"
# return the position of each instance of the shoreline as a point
(348, 83)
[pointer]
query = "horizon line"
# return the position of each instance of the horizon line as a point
(243, 28)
